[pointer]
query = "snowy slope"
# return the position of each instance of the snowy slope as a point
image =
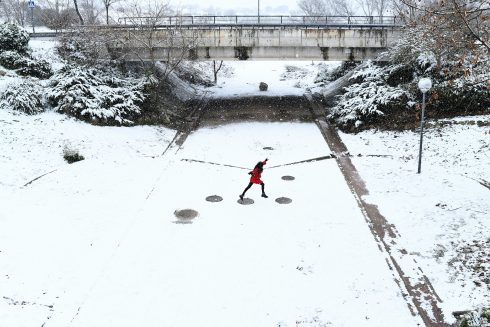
(33, 145)
(443, 214)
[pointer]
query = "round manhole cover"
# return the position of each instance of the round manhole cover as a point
(268, 148)
(288, 178)
(186, 214)
(283, 200)
(214, 198)
(245, 201)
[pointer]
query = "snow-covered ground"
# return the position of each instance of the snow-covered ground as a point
(242, 78)
(97, 244)
(33, 145)
(443, 214)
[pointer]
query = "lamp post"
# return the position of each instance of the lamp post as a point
(424, 86)
(258, 11)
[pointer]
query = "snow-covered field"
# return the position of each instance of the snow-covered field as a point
(85, 246)
(443, 214)
(97, 242)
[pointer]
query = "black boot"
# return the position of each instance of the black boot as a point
(241, 197)
(263, 191)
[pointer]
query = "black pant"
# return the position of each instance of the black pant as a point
(250, 185)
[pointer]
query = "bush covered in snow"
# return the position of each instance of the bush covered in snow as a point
(26, 97)
(25, 65)
(71, 154)
(13, 38)
(477, 318)
(86, 46)
(98, 95)
(368, 98)
(15, 53)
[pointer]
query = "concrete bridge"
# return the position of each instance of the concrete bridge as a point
(336, 38)
(257, 37)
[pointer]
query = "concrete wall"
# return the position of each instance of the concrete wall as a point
(267, 43)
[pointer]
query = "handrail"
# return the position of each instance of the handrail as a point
(280, 20)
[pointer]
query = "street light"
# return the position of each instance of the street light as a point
(258, 11)
(424, 86)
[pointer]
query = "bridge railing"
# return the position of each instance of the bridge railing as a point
(262, 21)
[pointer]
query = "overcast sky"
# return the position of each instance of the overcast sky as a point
(239, 7)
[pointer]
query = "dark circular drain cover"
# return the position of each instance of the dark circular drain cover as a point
(288, 178)
(186, 214)
(245, 201)
(283, 200)
(268, 148)
(214, 198)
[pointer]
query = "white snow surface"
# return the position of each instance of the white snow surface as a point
(440, 211)
(45, 48)
(33, 145)
(96, 243)
(242, 78)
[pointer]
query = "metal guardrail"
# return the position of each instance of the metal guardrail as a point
(241, 21)
(189, 21)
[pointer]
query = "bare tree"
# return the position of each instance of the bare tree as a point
(368, 7)
(151, 44)
(342, 7)
(14, 11)
(216, 70)
(90, 11)
(459, 23)
(382, 6)
(75, 2)
(57, 14)
(326, 7)
(314, 7)
(107, 4)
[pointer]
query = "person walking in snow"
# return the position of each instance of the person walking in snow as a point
(255, 178)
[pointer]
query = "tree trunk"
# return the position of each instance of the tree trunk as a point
(107, 14)
(216, 70)
(78, 12)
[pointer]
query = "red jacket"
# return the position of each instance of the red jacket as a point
(256, 174)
